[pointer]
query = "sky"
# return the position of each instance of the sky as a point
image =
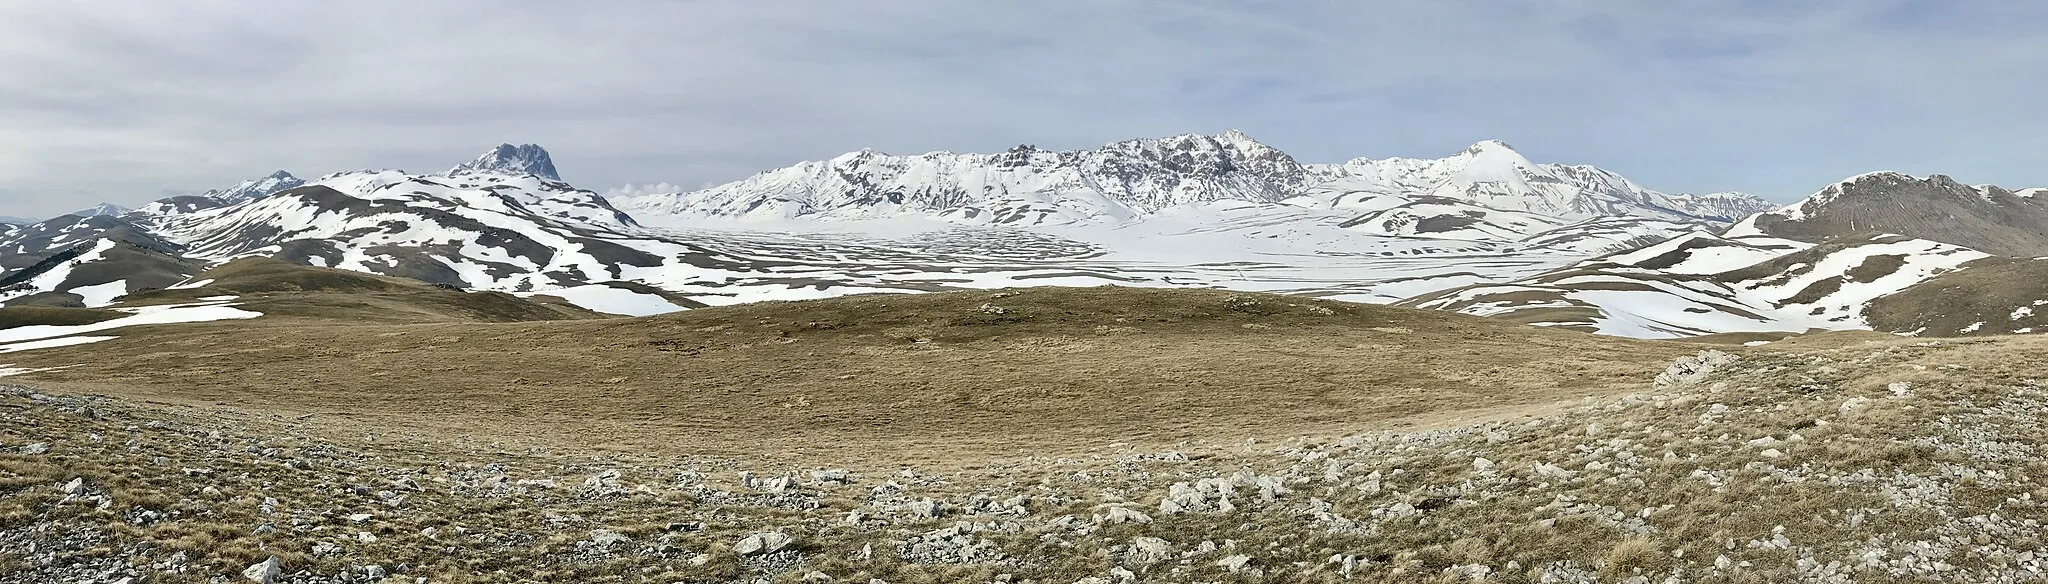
(131, 101)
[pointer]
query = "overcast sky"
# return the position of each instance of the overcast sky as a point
(125, 103)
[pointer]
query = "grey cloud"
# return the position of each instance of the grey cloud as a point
(122, 102)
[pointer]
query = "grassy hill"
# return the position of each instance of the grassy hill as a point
(1834, 458)
(1003, 373)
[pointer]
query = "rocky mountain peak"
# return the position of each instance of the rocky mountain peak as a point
(509, 159)
(1488, 146)
(102, 210)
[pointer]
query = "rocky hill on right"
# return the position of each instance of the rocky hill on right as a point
(1883, 251)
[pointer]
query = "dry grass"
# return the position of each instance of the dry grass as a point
(1511, 520)
(992, 373)
(14, 316)
(1984, 297)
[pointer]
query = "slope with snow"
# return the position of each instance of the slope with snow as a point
(1982, 217)
(24, 338)
(1704, 284)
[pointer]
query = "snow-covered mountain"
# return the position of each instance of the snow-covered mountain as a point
(1022, 186)
(1493, 174)
(1483, 232)
(1132, 179)
(496, 225)
(102, 210)
(257, 188)
(508, 159)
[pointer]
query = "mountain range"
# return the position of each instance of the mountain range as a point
(1136, 178)
(1482, 231)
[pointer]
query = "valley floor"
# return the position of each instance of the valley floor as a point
(1831, 459)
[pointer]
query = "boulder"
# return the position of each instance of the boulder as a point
(264, 572)
(766, 542)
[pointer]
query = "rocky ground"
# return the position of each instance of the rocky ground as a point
(1874, 462)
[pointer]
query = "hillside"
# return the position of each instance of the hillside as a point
(1995, 296)
(1986, 218)
(1881, 251)
(1328, 447)
(282, 289)
(1048, 369)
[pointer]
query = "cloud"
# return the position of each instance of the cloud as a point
(120, 102)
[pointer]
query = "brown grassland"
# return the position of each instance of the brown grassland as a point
(926, 378)
(383, 422)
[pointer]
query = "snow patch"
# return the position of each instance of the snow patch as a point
(9, 370)
(46, 344)
(608, 299)
(99, 295)
(144, 315)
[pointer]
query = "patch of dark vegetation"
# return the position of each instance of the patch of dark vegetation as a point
(1445, 223)
(1680, 254)
(49, 299)
(1815, 291)
(1877, 266)
(14, 316)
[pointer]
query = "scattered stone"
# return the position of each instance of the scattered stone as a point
(1148, 550)
(763, 543)
(1118, 514)
(1482, 465)
(264, 572)
(1854, 404)
(607, 538)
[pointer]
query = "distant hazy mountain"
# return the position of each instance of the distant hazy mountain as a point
(102, 209)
